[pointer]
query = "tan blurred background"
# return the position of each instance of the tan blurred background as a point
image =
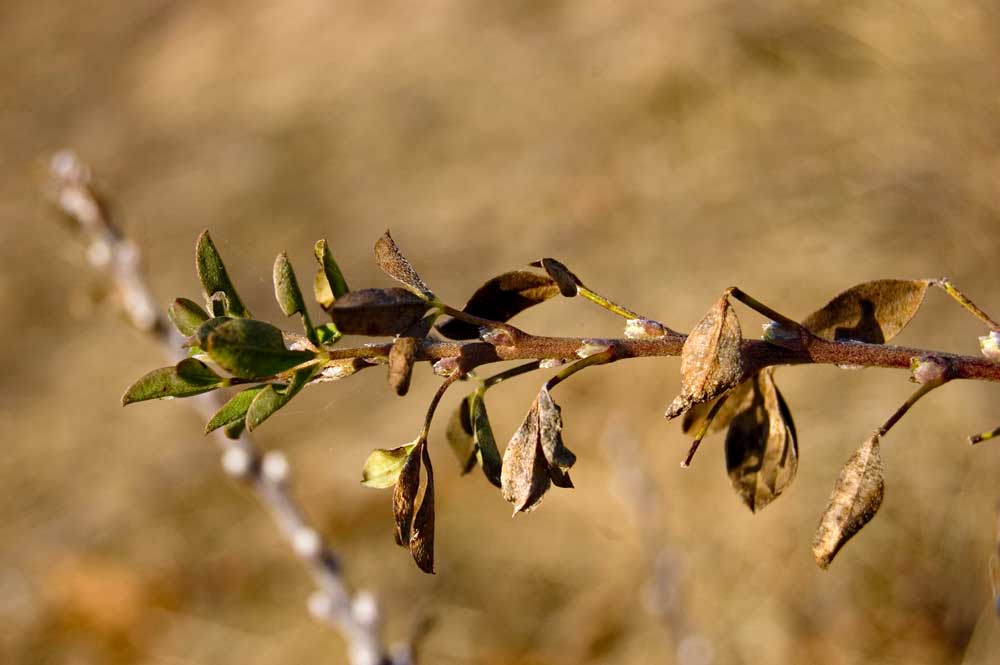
(664, 151)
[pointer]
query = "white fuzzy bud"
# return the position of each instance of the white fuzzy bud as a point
(990, 345)
(237, 462)
(275, 467)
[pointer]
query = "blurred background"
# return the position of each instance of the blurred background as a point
(663, 151)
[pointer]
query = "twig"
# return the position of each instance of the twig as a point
(355, 615)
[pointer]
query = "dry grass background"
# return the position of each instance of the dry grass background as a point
(664, 151)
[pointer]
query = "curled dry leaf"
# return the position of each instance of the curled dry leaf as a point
(422, 530)
(404, 495)
(377, 312)
(460, 434)
(711, 361)
(762, 453)
(391, 260)
(401, 355)
(500, 299)
(567, 281)
(856, 498)
(872, 312)
(536, 457)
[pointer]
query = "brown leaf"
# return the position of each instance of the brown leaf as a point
(567, 281)
(524, 476)
(762, 453)
(377, 312)
(459, 434)
(872, 312)
(500, 299)
(557, 456)
(737, 400)
(401, 356)
(404, 495)
(711, 362)
(422, 533)
(394, 264)
(855, 499)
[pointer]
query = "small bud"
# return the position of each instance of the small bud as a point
(591, 347)
(644, 329)
(990, 345)
(237, 462)
(306, 542)
(275, 467)
(779, 335)
(445, 367)
(928, 369)
(496, 336)
(549, 363)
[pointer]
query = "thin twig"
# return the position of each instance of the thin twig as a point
(355, 615)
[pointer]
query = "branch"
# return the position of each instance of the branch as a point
(355, 615)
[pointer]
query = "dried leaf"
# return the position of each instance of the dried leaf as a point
(737, 400)
(567, 281)
(333, 279)
(186, 315)
(711, 361)
(486, 445)
(855, 499)
(762, 453)
(394, 264)
(557, 456)
(422, 530)
(234, 410)
(189, 377)
(404, 496)
(872, 312)
(214, 278)
(524, 477)
(274, 396)
(500, 299)
(401, 355)
(377, 312)
(250, 349)
(383, 466)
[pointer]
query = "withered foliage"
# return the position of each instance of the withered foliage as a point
(391, 260)
(401, 356)
(377, 312)
(872, 312)
(500, 299)
(413, 509)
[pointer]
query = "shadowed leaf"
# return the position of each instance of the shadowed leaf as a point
(738, 399)
(404, 495)
(186, 315)
(288, 294)
(485, 443)
(762, 453)
(234, 430)
(189, 377)
(214, 278)
(500, 299)
(383, 466)
(460, 435)
(856, 498)
(711, 362)
(251, 349)
(401, 356)
(524, 477)
(394, 264)
(557, 456)
(274, 396)
(377, 312)
(422, 530)
(567, 281)
(329, 279)
(234, 410)
(872, 312)
(206, 328)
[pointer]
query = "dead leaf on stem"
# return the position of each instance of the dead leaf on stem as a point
(401, 355)
(391, 260)
(500, 299)
(872, 312)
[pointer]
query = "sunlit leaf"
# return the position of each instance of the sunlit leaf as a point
(213, 276)
(856, 498)
(762, 452)
(401, 355)
(391, 260)
(288, 294)
(333, 280)
(274, 396)
(872, 312)
(422, 529)
(711, 361)
(404, 495)
(377, 312)
(524, 477)
(234, 410)
(189, 377)
(186, 316)
(383, 465)
(500, 299)
(251, 349)
(558, 458)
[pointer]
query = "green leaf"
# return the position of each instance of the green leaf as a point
(391, 260)
(500, 299)
(206, 328)
(234, 430)
(189, 377)
(251, 349)
(186, 316)
(377, 312)
(486, 445)
(275, 396)
(329, 279)
(214, 278)
(234, 410)
(383, 465)
(289, 296)
(328, 334)
(872, 312)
